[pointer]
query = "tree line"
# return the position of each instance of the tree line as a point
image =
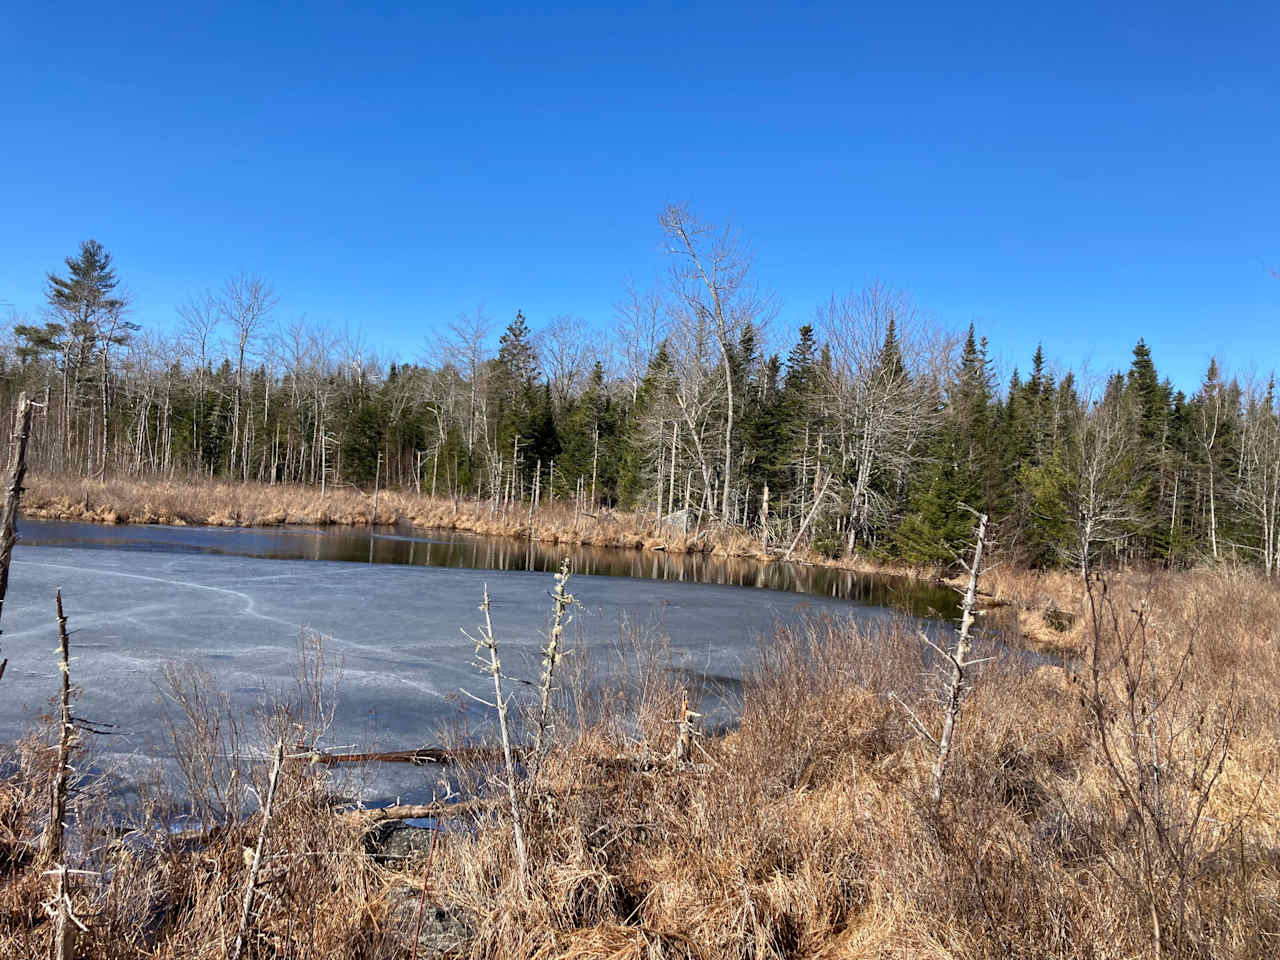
(872, 434)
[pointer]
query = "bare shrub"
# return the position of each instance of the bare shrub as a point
(1164, 741)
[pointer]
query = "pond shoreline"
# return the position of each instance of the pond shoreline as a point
(250, 504)
(1037, 599)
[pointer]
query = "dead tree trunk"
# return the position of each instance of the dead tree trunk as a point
(958, 657)
(13, 491)
(807, 520)
(764, 522)
(686, 729)
(63, 946)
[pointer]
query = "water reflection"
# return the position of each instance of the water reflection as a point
(435, 548)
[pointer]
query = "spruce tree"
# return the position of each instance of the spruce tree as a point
(959, 470)
(517, 395)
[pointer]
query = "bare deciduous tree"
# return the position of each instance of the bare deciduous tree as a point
(1257, 487)
(882, 406)
(201, 318)
(641, 327)
(712, 296)
(244, 305)
(567, 355)
(1100, 482)
(463, 346)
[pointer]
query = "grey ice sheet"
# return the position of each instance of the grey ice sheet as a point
(395, 630)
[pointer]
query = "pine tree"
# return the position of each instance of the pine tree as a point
(517, 395)
(517, 361)
(1148, 405)
(89, 322)
(793, 457)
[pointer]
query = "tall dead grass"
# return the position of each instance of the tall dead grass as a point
(804, 831)
(215, 503)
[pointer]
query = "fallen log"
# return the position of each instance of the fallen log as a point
(418, 811)
(422, 755)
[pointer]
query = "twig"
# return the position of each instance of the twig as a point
(915, 721)
(415, 811)
(246, 908)
(487, 641)
(422, 901)
(551, 656)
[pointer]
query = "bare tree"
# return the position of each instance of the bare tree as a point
(147, 378)
(1257, 487)
(565, 346)
(883, 393)
(463, 346)
(489, 663)
(710, 287)
(1211, 413)
(112, 330)
(641, 326)
(1102, 472)
(201, 317)
(244, 305)
(691, 399)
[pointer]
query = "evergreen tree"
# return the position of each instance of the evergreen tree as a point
(637, 473)
(517, 395)
(959, 471)
(517, 361)
(889, 363)
(1148, 406)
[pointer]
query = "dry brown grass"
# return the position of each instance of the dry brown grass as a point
(215, 503)
(804, 831)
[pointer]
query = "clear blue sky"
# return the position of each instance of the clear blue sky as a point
(1074, 173)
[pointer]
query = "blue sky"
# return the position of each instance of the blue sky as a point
(1078, 174)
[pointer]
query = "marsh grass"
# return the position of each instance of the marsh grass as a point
(805, 830)
(215, 503)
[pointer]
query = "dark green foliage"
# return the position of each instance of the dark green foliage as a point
(637, 473)
(362, 444)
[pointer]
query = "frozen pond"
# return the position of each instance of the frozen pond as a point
(395, 629)
(409, 546)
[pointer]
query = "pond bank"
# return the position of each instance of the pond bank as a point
(1034, 596)
(220, 504)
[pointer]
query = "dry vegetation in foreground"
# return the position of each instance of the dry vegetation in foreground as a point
(1119, 806)
(215, 503)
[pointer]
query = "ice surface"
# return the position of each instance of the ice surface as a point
(395, 629)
